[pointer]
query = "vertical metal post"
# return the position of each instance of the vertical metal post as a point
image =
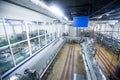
(53, 32)
(22, 26)
(50, 32)
(28, 39)
(38, 27)
(9, 42)
(104, 28)
(112, 31)
(13, 28)
(118, 32)
(57, 31)
(100, 28)
(45, 34)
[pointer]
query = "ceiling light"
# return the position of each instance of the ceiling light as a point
(107, 14)
(99, 17)
(53, 9)
(56, 11)
(40, 3)
(66, 18)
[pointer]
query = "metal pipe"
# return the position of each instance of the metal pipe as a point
(104, 7)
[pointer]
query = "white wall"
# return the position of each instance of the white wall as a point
(8, 10)
(66, 28)
(72, 31)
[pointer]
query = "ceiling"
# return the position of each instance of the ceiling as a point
(95, 9)
(89, 8)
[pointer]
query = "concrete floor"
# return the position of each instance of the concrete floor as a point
(68, 63)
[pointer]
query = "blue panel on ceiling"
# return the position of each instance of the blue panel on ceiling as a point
(80, 21)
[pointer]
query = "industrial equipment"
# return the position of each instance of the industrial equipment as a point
(32, 74)
(5, 57)
(28, 75)
(109, 42)
(93, 70)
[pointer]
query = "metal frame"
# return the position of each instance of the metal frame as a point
(9, 42)
(28, 39)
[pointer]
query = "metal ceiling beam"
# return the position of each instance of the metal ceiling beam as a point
(100, 10)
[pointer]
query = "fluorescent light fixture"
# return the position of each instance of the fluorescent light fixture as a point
(107, 14)
(56, 11)
(66, 18)
(40, 3)
(53, 9)
(44, 5)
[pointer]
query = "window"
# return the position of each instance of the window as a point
(15, 30)
(34, 44)
(49, 38)
(41, 28)
(6, 61)
(14, 42)
(42, 41)
(20, 51)
(3, 37)
(33, 29)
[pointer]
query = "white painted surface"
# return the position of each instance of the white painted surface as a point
(8, 10)
(72, 31)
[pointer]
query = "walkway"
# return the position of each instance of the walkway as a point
(69, 65)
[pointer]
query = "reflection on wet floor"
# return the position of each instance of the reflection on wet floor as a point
(68, 64)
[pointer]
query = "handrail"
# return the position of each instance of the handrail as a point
(90, 63)
(88, 66)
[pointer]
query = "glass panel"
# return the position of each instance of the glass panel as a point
(20, 51)
(41, 28)
(34, 45)
(42, 41)
(33, 29)
(3, 38)
(15, 30)
(54, 30)
(49, 33)
(53, 35)
(6, 61)
(47, 27)
(49, 38)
